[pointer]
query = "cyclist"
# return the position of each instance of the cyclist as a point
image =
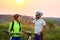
(40, 26)
(15, 28)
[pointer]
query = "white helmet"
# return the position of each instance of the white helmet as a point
(39, 13)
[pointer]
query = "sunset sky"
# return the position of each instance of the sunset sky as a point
(50, 8)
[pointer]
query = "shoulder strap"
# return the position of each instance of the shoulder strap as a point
(19, 27)
(12, 26)
(19, 23)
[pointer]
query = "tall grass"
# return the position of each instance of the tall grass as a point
(48, 35)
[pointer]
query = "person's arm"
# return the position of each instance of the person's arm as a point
(9, 30)
(43, 30)
(30, 20)
(44, 26)
(20, 28)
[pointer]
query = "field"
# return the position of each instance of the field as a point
(50, 34)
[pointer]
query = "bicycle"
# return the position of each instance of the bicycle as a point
(27, 32)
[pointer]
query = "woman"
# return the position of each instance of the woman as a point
(15, 27)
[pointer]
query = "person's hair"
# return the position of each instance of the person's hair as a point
(16, 17)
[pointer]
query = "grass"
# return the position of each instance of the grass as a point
(48, 35)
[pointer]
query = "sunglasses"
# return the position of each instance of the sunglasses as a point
(37, 15)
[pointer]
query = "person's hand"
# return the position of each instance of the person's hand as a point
(38, 33)
(10, 33)
(21, 32)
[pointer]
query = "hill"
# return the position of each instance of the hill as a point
(7, 18)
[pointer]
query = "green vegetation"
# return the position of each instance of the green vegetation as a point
(48, 35)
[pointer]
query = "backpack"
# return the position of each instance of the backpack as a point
(13, 26)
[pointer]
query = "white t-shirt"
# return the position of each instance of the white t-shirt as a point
(38, 25)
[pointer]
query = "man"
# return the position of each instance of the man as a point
(15, 28)
(40, 26)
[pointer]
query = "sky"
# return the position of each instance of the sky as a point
(50, 8)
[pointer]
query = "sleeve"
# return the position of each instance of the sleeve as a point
(43, 23)
(10, 25)
(33, 21)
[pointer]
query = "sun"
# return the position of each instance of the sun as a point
(19, 1)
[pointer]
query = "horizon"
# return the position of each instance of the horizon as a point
(30, 16)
